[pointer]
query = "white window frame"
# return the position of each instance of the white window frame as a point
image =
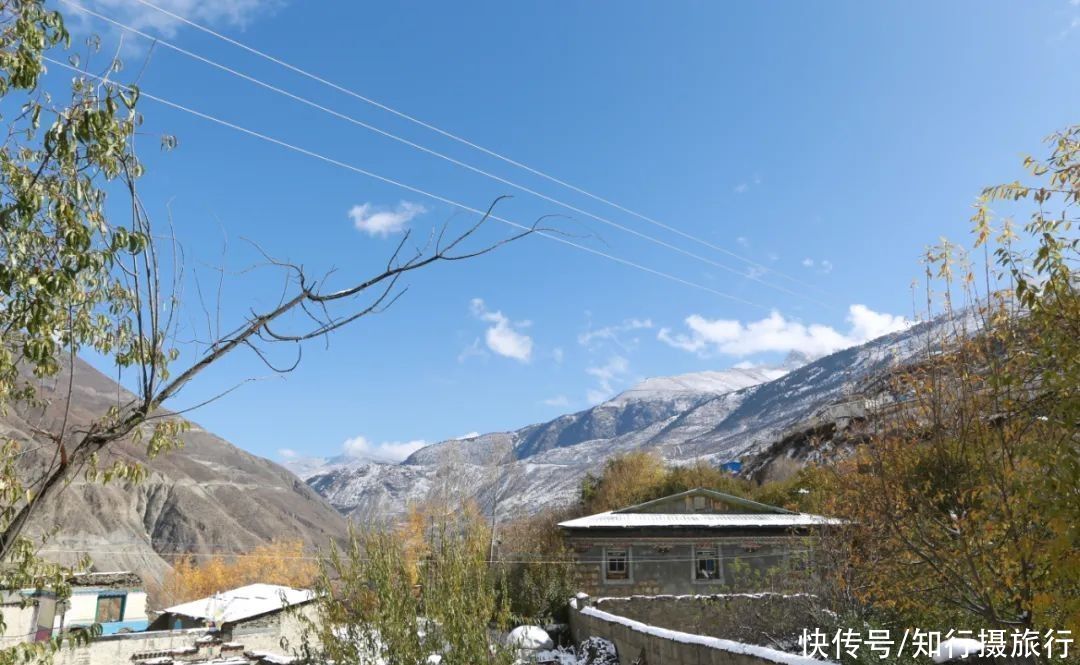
(715, 548)
(629, 558)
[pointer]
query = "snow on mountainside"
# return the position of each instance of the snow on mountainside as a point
(668, 387)
(714, 416)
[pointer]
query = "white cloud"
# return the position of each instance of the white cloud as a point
(613, 333)
(1073, 25)
(558, 401)
(866, 324)
(778, 334)
(501, 337)
(233, 13)
(595, 396)
(824, 266)
(286, 453)
(361, 447)
(607, 374)
(614, 367)
(473, 350)
(380, 221)
(744, 186)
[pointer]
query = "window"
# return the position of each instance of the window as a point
(706, 564)
(109, 609)
(699, 504)
(616, 564)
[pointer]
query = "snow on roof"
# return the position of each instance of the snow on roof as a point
(697, 520)
(242, 603)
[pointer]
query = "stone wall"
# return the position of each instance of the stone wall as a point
(737, 616)
(112, 649)
(640, 642)
(281, 635)
(666, 566)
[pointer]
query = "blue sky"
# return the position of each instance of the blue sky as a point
(825, 143)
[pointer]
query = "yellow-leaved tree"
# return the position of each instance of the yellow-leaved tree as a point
(281, 562)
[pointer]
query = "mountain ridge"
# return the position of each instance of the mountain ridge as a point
(207, 497)
(714, 416)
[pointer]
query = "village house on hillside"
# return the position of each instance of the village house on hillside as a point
(116, 601)
(695, 542)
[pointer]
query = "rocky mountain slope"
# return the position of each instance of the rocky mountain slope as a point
(209, 496)
(712, 416)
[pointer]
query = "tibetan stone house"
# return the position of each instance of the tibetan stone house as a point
(695, 542)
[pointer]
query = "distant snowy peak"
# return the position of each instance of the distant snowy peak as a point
(709, 382)
(307, 467)
(713, 416)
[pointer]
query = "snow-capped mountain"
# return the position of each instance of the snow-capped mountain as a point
(716, 416)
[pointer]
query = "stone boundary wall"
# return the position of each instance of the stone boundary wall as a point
(279, 636)
(119, 648)
(741, 617)
(663, 646)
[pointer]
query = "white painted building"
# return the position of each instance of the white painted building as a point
(116, 601)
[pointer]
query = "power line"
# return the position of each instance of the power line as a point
(466, 142)
(434, 153)
(407, 187)
(523, 560)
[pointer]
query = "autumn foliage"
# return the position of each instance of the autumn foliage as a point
(280, 562)
(965, 505)
(642, 475)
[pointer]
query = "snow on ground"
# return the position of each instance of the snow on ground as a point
(957, 648)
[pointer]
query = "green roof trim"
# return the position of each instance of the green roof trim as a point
(721, 496)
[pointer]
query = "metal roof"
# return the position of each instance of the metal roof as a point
(697, 520)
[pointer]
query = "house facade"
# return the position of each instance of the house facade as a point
(116, 600)
(695, 542)
(28, 617)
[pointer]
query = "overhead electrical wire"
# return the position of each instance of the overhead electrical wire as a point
(416, 146)
(411, 188)
(454, 137)
(511, 557)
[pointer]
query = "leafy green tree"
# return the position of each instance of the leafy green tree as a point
(76, 276)
(536, 568)
(375, 608)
